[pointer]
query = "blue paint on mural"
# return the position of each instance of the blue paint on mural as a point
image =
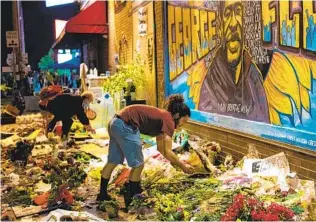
(288, 33)
(297, 135)
(307, 122)
(179, 86)
(310, 32)
(205, 43)
(267, 32)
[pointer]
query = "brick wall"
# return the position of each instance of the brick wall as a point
(120, 24)
(111, 25)
(159, 24)
(236, 143)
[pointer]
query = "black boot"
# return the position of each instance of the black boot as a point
(135, 188)
(130, 190)
(103, 195)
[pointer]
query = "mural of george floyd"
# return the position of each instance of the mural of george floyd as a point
(246, 65)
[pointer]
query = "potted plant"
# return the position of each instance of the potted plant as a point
(131, 89)
(133, 92)
(132, 73)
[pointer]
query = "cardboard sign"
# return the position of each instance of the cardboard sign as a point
(273, 165)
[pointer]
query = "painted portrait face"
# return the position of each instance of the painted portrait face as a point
(233, 32)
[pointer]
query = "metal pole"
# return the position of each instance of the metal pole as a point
(15, 19)
(14, 65)
(20, 26)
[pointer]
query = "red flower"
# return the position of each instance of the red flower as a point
(239, 198)
(255, 215)
(252, 202)
(274, 212)
(289, 214)
(271, 217)
(282, 211)
(258, 215)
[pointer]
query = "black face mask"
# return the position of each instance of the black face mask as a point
(85, 105)
(176, 121)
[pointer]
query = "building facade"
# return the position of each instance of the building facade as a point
(246, 69)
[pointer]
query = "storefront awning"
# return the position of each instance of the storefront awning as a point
(91, 20)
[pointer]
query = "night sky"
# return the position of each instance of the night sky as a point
(39, 27)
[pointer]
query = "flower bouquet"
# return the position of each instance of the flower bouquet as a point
(251, 209)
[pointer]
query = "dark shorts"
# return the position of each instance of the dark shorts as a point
(125, 142)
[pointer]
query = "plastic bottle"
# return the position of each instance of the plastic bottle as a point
(95, 72)
(109, 111)
(123, 100)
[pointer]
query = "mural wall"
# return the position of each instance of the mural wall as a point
(246, 65)
(143, 46)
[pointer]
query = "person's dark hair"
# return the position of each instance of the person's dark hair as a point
(175, 104)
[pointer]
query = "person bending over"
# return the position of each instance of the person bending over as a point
(125, 142)
(64, 107)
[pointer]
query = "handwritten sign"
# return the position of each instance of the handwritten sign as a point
(142, 18)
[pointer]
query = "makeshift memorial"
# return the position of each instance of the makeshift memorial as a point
(67, 173)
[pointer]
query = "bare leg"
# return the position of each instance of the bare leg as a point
(136, 173)
(107, 170)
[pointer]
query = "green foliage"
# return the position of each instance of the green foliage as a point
(207, 216)
(82, 157)
(111, 207)
(141, 200)
(168, 207)
(74, 176)
(178, 201)
(134, 71)
(46, 61)
(4, 88)
(297, 209)
(62, 72)
(17, 197)
(104, 204)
